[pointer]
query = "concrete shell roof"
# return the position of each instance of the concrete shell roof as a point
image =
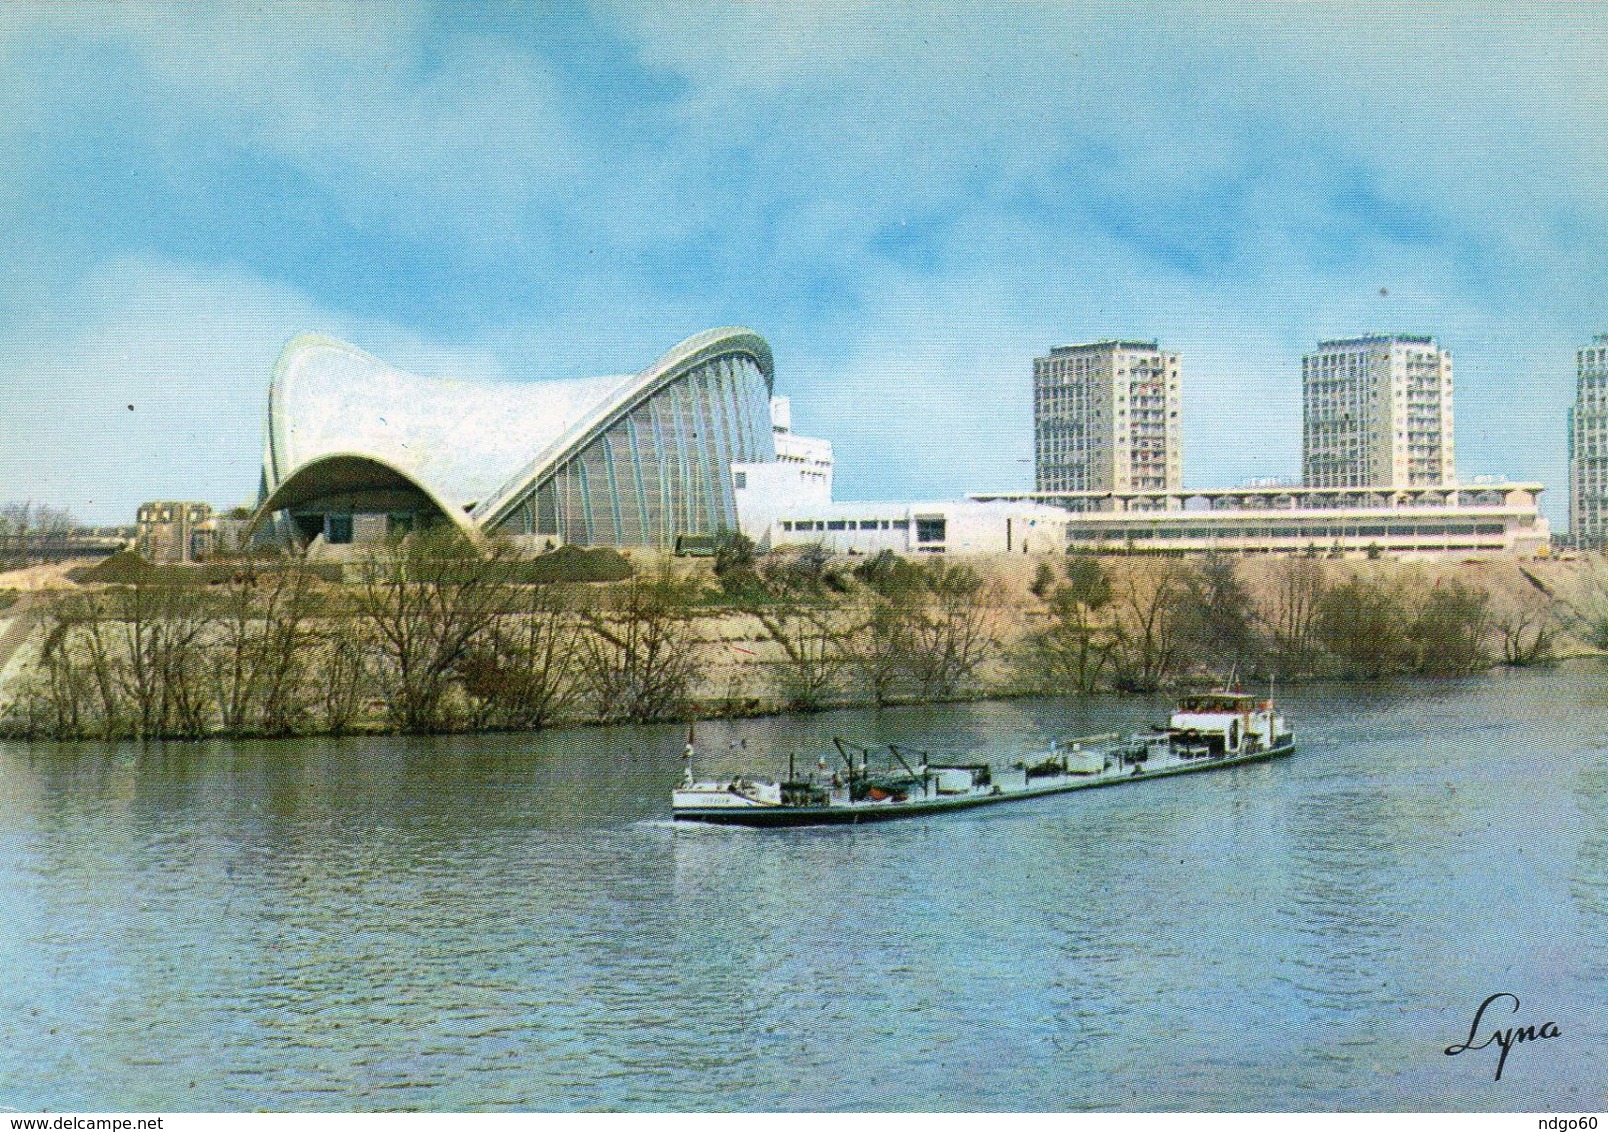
(471, 446)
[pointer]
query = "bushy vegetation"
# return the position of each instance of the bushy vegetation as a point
(891, 630)
(428, 634)
(1159, 623)
(431, 634)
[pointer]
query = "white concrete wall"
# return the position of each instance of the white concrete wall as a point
(913, 528)
(800, 477)
(764, 491)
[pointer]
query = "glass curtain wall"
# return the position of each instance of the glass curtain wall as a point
(663, 469)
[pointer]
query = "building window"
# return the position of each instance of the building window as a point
(835, 524)
(337, 529)
(740, 480)
(931, 529)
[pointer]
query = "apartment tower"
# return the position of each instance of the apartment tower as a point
(1588, 447)
(1105, 418)
(1377, 412)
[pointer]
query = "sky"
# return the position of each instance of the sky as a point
(909, 202)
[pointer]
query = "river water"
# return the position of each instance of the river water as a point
(510, 922)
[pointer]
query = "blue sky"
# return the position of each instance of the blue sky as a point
(909, 202)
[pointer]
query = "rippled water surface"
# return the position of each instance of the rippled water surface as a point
(496, 923)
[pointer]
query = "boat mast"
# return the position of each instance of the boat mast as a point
(908, 768)
(848, 760)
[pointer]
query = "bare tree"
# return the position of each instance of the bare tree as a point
(524, 673)
(882, 646)
(815, 656)
(427, 602)
(636, 656)
(287, 648)
(1291, 616)
(184, 708)
(233, 653)
(1525, 634)
(953, 634)
(29, 531)
(1148, 608)
(137, 612)
(141, 648)
(92, 627)
(58, 698)
(342, 658)
(1079, 639)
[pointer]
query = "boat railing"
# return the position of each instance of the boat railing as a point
(1075, 742)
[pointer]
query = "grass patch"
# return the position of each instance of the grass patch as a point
(125, 568)
(573, 564)
(566, 564)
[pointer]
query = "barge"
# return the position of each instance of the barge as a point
(1206, 732)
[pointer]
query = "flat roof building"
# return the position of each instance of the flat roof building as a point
(174, 531)
(1376, 412)
(1588, 447)
(1105, 418)
(938, 527)
(1486, 517)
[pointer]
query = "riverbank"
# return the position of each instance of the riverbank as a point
(406, 644)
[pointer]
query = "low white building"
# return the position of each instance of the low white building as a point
(800, 476)
(789, 503)
(1479, 517)
(946, 527)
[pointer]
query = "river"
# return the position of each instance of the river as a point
(510, 922)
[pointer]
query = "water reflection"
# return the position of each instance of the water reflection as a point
(510, 922)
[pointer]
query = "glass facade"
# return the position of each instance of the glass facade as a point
(661, 470)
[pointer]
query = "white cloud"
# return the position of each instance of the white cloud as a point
(461, 138)
(152, 381)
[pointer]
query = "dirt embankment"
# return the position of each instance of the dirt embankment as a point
(755, 659)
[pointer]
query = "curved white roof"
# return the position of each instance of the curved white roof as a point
(473, 447)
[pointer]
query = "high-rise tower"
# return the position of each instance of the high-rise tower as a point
(1105, 418)
(1377, 412)
(1588, 446)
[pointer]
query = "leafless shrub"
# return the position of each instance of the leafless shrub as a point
(427, 603)
(637, 653)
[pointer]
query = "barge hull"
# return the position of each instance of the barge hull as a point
(860, 813)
